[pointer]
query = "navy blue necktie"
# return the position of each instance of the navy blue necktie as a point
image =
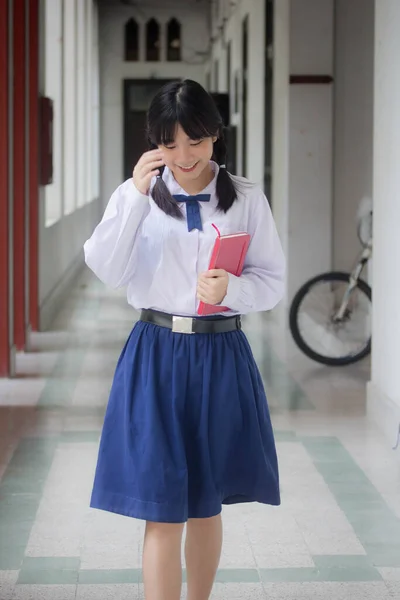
(193, 209)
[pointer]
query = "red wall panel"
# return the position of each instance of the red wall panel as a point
(4, 283)
(34, 164)
(19, 171)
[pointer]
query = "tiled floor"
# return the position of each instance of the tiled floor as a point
(336, 535)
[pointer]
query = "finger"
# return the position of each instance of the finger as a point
(206, 284)
(202, 278)
(206, 277)
(151, 166)
(204, 298)
(147, 178)
(150, 155)
(207, 300)
(203, 291)
(215, 273)
(208, 288)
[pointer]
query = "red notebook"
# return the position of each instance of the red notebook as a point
(228, 253)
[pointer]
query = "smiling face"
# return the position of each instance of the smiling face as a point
(189, 160)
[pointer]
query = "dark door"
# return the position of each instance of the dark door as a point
(137, 97)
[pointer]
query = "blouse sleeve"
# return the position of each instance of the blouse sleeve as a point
(109, 252)
(262, 283)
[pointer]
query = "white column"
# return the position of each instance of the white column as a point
(69, 107)
(53, 89)
(95, 100)
(80, 102)
(384, 389)
(88, 98)
(280, 118)
(310, 158)
(256, 93)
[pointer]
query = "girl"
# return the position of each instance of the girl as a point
(187, 426)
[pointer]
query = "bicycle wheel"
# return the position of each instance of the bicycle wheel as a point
(316, 328)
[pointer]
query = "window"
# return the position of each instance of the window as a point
(152, 41)
(131, 40)
(173, 40)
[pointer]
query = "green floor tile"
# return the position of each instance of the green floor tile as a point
(340, 560)
(375, 525)
(60, 387)
(18, 513)
(103, 576)
(15, 485)
(384, 554)
(344, 574)
(289, 575)
(33, 563)
(11, 558)
(48, 576)
(277, 378)
(72, 437)
(21, 489)
(237, 576)
(285, 436)
(349, 574)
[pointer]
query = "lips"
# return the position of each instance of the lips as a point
(188, 169)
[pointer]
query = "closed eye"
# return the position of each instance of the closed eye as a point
(197, 143)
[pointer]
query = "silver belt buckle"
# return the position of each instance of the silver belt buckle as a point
(182, 324)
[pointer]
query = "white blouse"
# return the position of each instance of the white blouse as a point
(155, 256)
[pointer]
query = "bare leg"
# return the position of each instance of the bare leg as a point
(203, 552)
(162, 566)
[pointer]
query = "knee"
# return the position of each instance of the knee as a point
(164, 530)
(205, 522)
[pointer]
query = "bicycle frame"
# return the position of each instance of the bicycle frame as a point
(353, 279)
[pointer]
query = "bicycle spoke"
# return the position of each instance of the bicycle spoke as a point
(316, 320)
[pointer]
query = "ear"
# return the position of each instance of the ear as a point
(214, 139)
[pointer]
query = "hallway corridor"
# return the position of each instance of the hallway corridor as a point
(336, 535)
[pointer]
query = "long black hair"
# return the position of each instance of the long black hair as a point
(186, 103)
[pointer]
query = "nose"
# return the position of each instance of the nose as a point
(184, 157)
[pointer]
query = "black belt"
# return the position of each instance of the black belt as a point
(177, 324)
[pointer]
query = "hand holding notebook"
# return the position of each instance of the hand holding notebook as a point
(229, 253)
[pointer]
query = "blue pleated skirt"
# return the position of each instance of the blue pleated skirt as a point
(187, 428)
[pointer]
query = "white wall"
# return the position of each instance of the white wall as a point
(113, 16)
(255, 9)
(310, 143)
(384, 389)
(302, 123)
(354, 86)
(322, 134)
(69, 207)
(280, 119)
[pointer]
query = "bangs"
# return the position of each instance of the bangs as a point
(163, 132)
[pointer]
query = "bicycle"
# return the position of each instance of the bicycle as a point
(335, 328)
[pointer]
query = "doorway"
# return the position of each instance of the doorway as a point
(138, 94)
